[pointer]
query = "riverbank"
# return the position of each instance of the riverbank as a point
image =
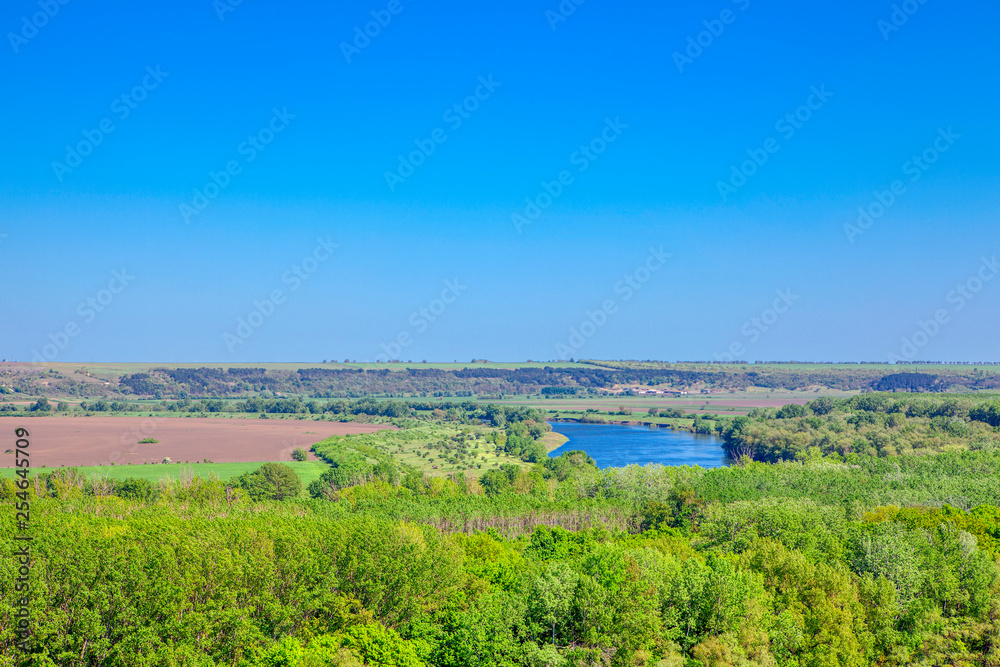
(553, 441)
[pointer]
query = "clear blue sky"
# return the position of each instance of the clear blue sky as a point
(200, 90)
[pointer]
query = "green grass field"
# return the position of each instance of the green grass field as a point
(306, 470)
(417, 448)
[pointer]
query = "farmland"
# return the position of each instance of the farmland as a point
(307, 471)
(96, 441)
(869, 536)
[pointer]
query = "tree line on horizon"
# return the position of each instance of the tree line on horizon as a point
(320, 383)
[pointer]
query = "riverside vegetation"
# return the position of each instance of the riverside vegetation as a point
(886, 424)
(874, 554)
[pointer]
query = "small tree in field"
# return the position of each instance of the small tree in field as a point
(300, 454)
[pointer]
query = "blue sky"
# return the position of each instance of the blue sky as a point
(644, 111)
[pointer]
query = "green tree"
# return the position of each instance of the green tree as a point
(41, 405)
(551, 596)
(136, 489)
(380, 646)
(272, 481)
(790, 411)
(499, 480)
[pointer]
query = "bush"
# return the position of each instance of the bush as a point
(300, 454)
(272, 481)
(790, 411)
(136, 489)
(988, 413)
(42, 405)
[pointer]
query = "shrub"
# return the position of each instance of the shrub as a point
(272, 481)
(41, 405)
(300, 454)
(136, 489)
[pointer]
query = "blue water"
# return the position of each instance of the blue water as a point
(617, 445)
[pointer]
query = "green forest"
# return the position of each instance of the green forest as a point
(885, 561)
(853, 531)
(873, 424)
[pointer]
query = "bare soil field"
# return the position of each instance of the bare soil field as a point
(91, 441)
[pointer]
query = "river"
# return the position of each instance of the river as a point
(617, 445)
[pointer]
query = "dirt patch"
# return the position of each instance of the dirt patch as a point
(91, 441)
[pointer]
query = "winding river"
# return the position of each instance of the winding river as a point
(617, 445)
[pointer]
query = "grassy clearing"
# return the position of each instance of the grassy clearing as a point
(441, 448)
(553, 441)
(306, 470)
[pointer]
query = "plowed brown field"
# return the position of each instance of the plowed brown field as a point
(90, 441)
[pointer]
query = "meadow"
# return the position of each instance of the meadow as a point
(169, 473)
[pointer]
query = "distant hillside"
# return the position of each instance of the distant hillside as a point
(18, 382)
